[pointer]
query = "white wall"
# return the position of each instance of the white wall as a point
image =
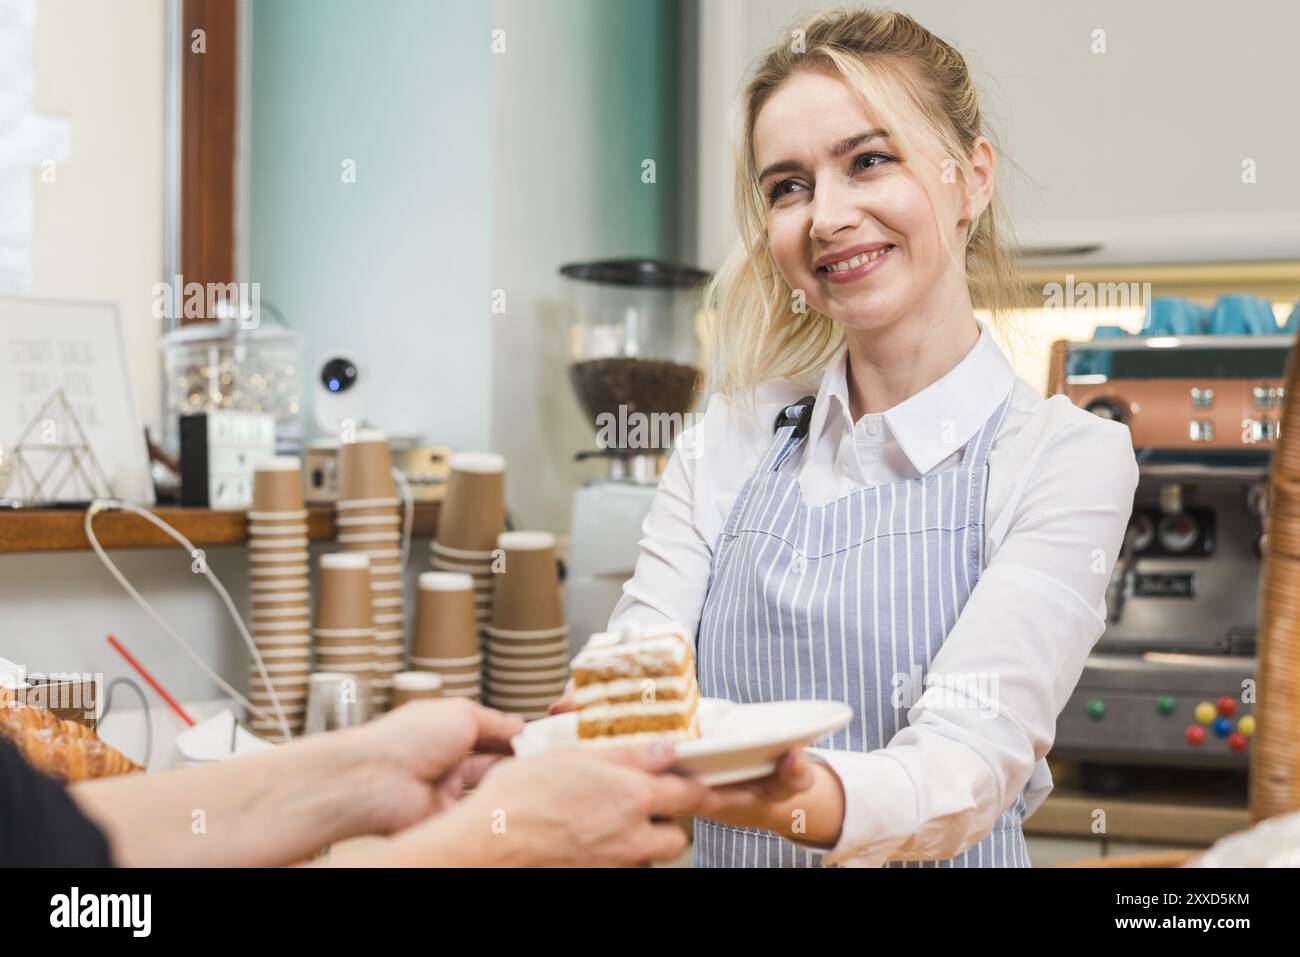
(98, 230)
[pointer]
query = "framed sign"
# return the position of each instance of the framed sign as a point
(68, 425)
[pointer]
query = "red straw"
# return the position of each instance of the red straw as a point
(153, 683)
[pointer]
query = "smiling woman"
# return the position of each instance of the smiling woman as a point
(921, 519)
(871, 113)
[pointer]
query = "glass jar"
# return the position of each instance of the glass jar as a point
(633, 341)
(222, 365)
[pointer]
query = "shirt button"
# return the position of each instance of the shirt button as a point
(873, 426)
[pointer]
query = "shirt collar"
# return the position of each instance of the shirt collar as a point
(939, 419)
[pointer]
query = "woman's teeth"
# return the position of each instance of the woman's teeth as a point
(857, 260)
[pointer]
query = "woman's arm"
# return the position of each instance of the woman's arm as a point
(283, 804)
(999, 681)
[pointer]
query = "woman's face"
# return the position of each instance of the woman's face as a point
(848, 221)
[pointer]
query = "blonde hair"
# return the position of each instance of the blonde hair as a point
(756, 332)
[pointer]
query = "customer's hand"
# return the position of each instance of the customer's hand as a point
(572, 807)
(564, 702)
(423, 753)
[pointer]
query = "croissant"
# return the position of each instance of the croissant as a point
(62, 749)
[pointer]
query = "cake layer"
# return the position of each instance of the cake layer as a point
(632, 724)
(638, 708)
(633, 689)
(637, 737)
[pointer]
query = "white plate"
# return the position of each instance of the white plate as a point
(738, 742)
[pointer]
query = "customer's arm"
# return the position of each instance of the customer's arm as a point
(572, 807)
(281, 805)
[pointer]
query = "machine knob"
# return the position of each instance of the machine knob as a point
(1222, 727)
(1237, 742)
(1106, 408)
(1195, 735)
(1226, 706)
(1246, 725)
(1165, 705)
(1096, 709)
(1205, 712)
(1178, 532)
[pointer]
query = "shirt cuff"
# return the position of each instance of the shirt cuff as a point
(880, 806)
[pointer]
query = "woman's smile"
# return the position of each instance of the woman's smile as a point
(856, 266)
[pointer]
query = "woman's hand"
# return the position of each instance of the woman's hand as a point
(571, 807)
(786, 801)
(429, 753)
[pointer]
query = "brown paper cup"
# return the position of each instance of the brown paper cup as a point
(344, 592)
(527, 595)
(365, 468)
(444, 618)
(277, 485)
(414, 685)
(473, 509)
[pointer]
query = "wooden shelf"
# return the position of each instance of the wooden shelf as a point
(61, 530)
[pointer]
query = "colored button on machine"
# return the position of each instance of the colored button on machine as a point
(1205, 712)
(1246, 725)
(1165, 705)
(1096, 709)
(1226, 706)
(1237, 741)
(1222, 727)
(1195, 734)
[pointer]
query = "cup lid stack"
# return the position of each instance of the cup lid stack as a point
(280, 595)
(472, 515)
(527, 647)
(446, 638)
(369, 522)
(344, 636)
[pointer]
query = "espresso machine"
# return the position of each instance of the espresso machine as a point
(1171, 681)
(634, 338)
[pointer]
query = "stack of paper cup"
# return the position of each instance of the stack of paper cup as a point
(344, 635)
(369, 522)
(280, 594)
(414, 685)
(472, 515)
(527, 658)
(446, 634)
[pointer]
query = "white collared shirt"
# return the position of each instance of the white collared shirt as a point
(1059, 496)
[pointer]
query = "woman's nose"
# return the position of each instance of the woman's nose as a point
(833, 209)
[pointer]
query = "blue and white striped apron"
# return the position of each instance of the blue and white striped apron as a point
(828, 602)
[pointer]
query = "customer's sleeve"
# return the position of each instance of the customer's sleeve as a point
(40, 824)
(1008, 666)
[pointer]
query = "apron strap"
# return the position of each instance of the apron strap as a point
(791, 427)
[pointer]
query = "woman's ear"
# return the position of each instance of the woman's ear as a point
(983, 164)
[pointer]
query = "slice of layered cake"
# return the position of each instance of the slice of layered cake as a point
(636, 682)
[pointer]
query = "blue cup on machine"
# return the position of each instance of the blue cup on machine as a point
(1242, 314)
(1173, 316)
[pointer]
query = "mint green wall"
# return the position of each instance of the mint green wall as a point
(393, 267)
(475, 172)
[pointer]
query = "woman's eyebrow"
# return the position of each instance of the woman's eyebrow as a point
(838, 150)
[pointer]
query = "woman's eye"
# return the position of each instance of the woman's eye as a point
(877, 158)
(779, 190)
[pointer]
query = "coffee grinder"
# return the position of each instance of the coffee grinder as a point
(635, 369)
